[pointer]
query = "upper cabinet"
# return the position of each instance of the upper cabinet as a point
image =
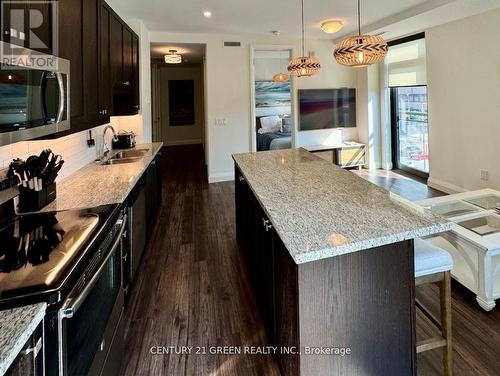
(102, 49)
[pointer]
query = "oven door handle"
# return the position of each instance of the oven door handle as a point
(72, 304)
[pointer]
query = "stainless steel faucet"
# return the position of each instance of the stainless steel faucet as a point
(105, 147)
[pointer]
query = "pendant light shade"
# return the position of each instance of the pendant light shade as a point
(281, 77)
(303, 66)
(360, 50)
(173, 57)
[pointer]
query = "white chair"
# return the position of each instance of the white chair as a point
(433, 265)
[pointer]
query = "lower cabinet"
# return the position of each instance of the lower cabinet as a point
(143, 204)
(30, 361)
(261, 246)
(153, 194)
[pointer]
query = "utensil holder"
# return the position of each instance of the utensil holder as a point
(32, 201)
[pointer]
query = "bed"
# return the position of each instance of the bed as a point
(281, 139)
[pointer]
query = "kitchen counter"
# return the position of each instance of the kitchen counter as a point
(97, 184)
(320, 210)
(331, 258)
(16, 327)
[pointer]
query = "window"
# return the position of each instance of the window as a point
(408, 87)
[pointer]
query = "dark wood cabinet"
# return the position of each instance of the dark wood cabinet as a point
(135, 73)
(71, 47)
(81, 49)
(104, 56)
(104, 93)
(153, 194)
(116, 50)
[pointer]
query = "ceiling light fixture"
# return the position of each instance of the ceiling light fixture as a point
(281, 77)
(173, 57)
(304, 66)
(360, 50)
(207, 14)
(332, 26)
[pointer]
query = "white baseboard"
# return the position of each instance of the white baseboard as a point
(183, 142)
(444, 186)
(220, 177)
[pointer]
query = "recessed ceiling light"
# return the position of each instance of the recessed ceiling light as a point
(207, 14)
(331, 26)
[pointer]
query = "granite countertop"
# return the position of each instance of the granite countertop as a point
(320, 210)
(16, 326)
(96, 184)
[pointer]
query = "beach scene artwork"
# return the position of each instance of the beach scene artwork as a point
(272, 98)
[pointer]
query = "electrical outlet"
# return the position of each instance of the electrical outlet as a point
(485, 175)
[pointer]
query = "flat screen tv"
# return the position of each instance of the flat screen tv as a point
(327, 108)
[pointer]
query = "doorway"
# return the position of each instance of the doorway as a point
(410, 129)
(272, 99)
(178, 93)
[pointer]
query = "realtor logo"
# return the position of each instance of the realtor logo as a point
(29, 31)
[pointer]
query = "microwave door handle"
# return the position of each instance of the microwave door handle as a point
(60, 110)
(43, 97)
(73, 304)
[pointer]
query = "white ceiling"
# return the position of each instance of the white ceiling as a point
(192, 53)
(260, 17)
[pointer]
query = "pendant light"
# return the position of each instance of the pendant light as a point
(281, 77)
(360, 50)
(173, 57)
(303, 66)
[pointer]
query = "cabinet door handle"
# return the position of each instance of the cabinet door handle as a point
(35, 350)
(127, 83)
(241, 178)
(267, 224)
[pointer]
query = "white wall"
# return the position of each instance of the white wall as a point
(228, 92)
(185, 134)
(463, 73)
(332, 75)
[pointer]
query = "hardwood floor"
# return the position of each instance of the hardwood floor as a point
(192, 290)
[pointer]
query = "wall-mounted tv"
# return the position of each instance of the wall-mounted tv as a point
(327, 108)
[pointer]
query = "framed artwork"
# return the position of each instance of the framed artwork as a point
(272, 98)
(181, 108)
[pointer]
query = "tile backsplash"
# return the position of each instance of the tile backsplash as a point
(73, 148)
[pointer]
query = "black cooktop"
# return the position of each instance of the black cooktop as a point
(38, 251)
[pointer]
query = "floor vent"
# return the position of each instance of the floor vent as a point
(232, 44)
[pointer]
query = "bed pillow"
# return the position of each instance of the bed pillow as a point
(287, 125)
(274, 129)
(270, 122)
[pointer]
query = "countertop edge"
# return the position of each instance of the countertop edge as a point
(368, 244)
(16, 348)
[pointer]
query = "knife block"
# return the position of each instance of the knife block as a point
(32, 201)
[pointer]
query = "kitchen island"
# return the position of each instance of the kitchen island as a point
(330, 256)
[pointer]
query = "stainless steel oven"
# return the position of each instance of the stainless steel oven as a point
(90, 326)
(34, 94)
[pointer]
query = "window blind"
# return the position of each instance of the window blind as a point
(406, 64)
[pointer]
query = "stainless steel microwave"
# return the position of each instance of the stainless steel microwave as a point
(34, 94)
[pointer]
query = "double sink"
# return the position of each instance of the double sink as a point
(125, 156)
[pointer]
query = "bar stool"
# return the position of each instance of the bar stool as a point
(433, 265)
